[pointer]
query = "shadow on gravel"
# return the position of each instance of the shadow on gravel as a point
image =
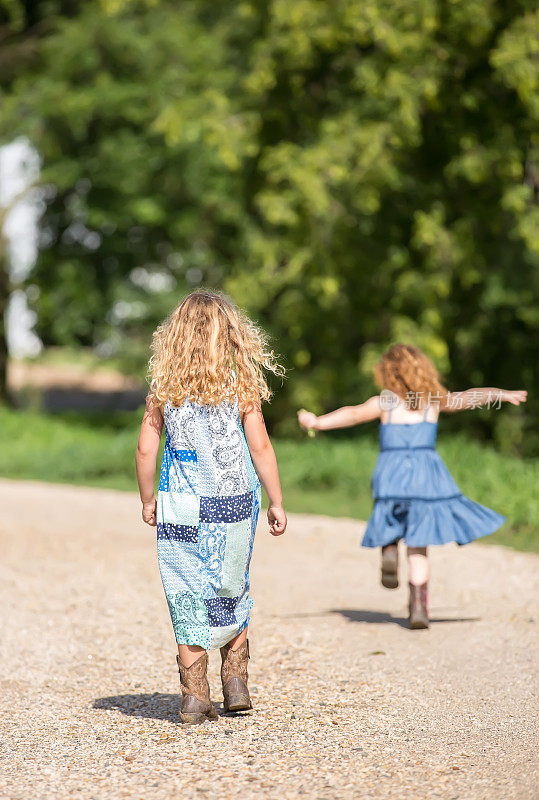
(150, 706)
(154, 706)
(376, 617)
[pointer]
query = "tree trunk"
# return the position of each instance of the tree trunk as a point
(4, 299)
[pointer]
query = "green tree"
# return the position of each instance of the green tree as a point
(351, 173)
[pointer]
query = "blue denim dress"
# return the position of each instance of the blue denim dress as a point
(415, 495)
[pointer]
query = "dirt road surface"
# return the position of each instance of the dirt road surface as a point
(349, 703)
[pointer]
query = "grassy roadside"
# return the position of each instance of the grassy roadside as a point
(329, 475)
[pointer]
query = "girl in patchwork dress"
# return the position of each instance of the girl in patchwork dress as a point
(415, 496)
(207, 384)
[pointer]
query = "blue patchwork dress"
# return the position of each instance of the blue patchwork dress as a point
(415, 496)
(207, 510)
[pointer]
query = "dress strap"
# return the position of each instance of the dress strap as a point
(426, 411)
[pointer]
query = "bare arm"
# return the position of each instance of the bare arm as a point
(145, 459)
(475, 398)
(265, 464)
(343, 417)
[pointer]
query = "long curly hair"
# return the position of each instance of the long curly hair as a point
(406, 371)
(209, 352)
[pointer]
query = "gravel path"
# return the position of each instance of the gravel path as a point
(348, 702)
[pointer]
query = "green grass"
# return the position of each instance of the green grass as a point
(328, 475)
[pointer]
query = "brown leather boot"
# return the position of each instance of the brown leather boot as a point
(419, 615)
(196, 703)
(234, 677)
(390, 566)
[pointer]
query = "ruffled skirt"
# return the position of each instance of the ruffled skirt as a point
(422, 523)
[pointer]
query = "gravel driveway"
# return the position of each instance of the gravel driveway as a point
(349, 703)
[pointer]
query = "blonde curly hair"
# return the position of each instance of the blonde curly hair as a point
(405, 370)
(209, 352)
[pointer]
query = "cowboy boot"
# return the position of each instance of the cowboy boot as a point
(234, 677)
(196, 703)
(419, 615)
(390, 566)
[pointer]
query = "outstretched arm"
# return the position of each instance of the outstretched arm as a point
(475, 398)
(265, 464)
(343, 417)
(145, 459)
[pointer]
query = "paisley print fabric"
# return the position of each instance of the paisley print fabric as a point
(207, 509)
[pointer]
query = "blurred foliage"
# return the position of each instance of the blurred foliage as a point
(327, 475)
(351, 173)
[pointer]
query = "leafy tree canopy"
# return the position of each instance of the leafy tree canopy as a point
(352, 173)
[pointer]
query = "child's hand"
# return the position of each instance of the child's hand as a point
(515, 398)
(307, 420)
(149, 512)
(277, 520)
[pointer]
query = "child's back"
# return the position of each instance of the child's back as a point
(206, 452)
(415, 496)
